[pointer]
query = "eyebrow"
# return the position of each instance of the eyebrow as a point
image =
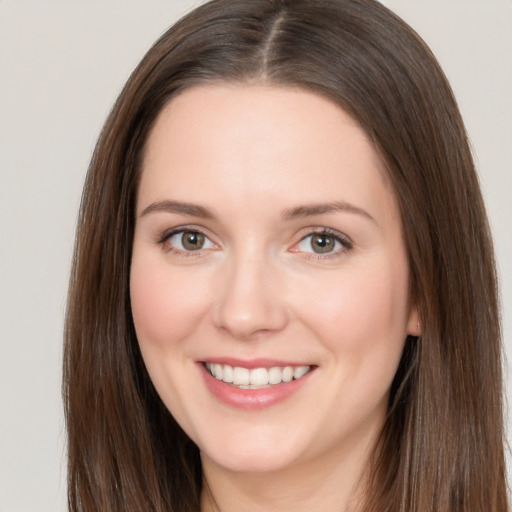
(297, 212)
(311, 210)
(169, 206)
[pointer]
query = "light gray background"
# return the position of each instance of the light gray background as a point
(61, 66)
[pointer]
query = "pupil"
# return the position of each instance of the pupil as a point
(192, 241)
(322, 243)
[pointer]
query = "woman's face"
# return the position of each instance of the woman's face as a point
(268, 251)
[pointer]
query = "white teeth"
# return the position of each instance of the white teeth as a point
(257, 377)
(240, 376)
(227, 375)
(274, 375)
(217, 371)
(287, 374)
(300, 371)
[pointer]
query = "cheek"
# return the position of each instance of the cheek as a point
(166, 305)
(360, 310)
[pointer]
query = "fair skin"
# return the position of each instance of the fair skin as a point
(268, 237)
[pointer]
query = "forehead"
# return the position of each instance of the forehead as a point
(255, 142)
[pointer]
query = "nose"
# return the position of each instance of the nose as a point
(251, 299)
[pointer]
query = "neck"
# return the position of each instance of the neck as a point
(332, 482)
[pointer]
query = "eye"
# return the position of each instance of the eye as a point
(188, 240)
(324, 243)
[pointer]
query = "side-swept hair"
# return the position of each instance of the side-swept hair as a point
(441, 448)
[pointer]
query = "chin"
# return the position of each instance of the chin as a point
(250, 462)
(246, 451)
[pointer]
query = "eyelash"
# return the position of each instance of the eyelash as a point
(342, 239)
(167, 235)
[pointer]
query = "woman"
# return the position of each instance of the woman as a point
(283, 292)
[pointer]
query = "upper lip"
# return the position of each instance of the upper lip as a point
(253, 363)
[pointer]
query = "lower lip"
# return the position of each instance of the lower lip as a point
(251, 399)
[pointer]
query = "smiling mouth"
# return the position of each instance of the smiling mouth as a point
(256, 378)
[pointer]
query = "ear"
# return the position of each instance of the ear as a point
(414, 327)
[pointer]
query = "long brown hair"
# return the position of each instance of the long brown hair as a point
(441, 447)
